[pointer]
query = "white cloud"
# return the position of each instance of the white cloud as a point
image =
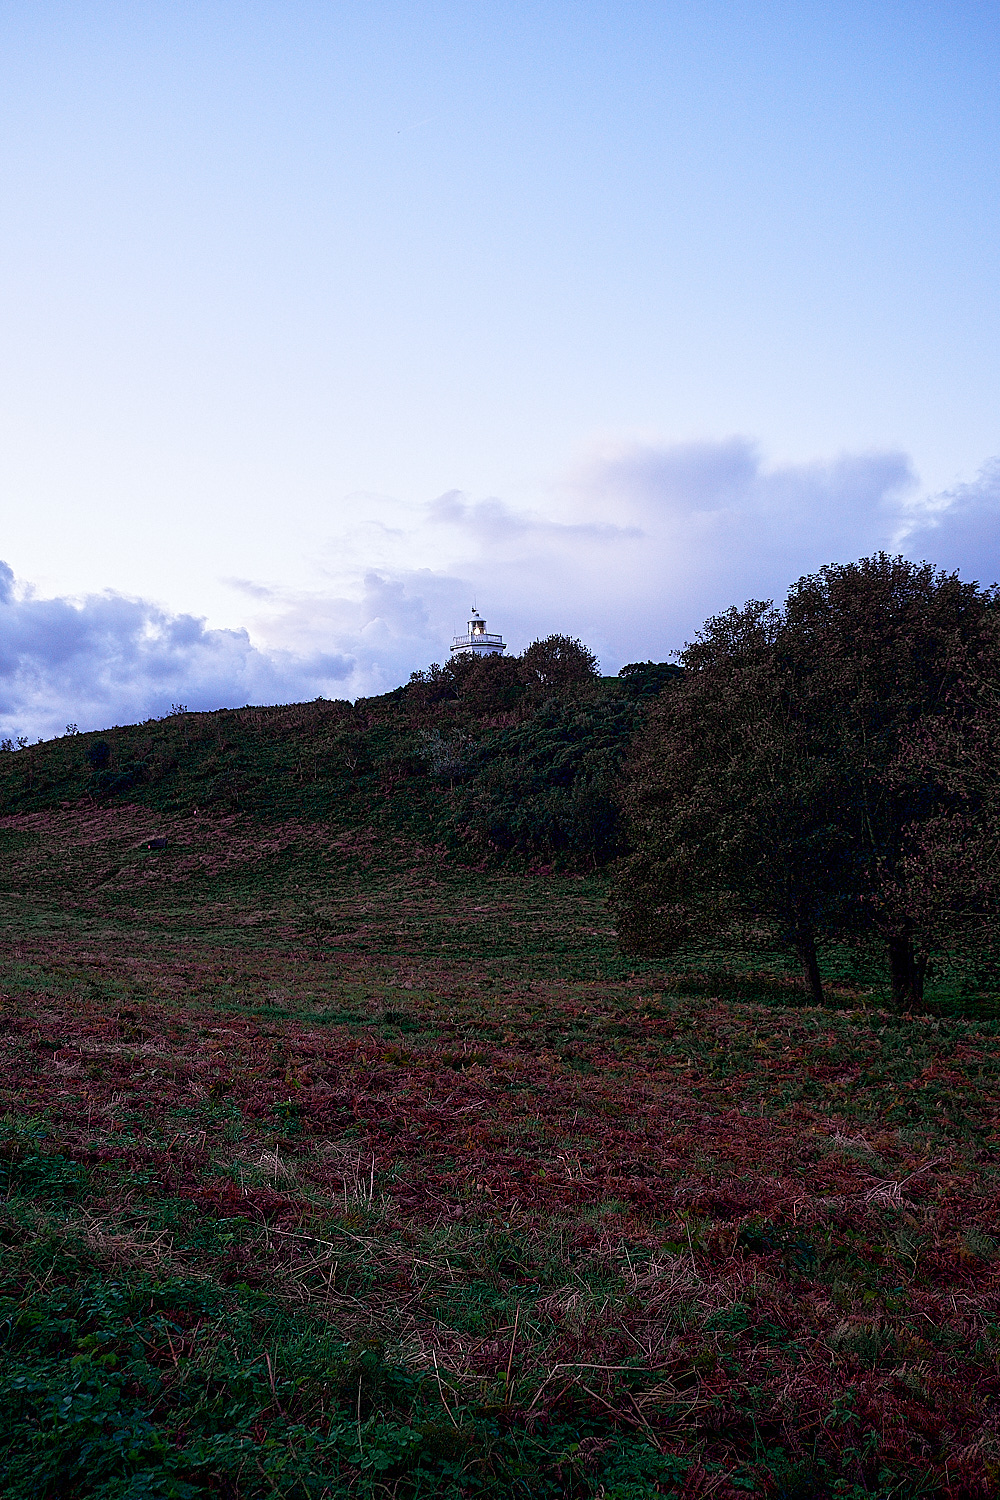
(960, 528)
(107, 658)
(630, 552)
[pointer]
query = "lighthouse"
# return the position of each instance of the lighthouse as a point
(478, 641)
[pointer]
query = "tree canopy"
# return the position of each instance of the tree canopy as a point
(558, 661)
(830, 767)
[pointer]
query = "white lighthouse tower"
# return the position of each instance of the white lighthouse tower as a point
(478, 641)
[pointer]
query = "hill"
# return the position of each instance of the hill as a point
(346, 1154)
(470, 755)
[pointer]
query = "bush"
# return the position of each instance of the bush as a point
(647, 679)
(547, 787)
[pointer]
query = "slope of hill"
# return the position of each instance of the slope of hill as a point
(501, 771)
(337, 1163)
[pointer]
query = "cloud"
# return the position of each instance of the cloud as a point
(650, 539)
(490, 522)
(959, 529)
(714, 511)
(110, 658)
(631, 551)
(250, 588)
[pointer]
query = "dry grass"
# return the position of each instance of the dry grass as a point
(750, 1237)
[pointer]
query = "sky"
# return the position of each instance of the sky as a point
(321, 321)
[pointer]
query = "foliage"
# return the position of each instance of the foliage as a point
(484, 684)
(447, 758)
(557, 662)
(830, 767)
(547, 786)
(454, 756)
(647, 679)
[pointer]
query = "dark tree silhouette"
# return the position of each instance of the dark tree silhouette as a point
(557, 662)
(830, 766)
(647, 679)
(482, 683)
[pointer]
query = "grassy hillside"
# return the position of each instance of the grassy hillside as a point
(337, 1162)
(500, 771)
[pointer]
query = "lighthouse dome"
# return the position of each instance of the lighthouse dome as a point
(478, 639)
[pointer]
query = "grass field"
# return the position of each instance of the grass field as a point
(335, 1167)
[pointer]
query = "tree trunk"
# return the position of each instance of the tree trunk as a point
(920, 972)
(805, 947)
(906, 973)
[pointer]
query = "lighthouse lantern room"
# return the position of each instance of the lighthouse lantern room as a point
(478, 641)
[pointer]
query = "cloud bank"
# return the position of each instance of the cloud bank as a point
(631, 552)
(108, 659)
(960, 529)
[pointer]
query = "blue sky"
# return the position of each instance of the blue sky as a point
(319, 318)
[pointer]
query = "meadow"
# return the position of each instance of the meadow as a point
(339, 1162)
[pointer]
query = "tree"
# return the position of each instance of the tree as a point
(557, 662)
(830, 767)
(909, 657)
(647, 679)
(481, 683)
(725, 810)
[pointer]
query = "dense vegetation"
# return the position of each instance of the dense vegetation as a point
(831, 769)
(345, 1151)
(499, 756)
